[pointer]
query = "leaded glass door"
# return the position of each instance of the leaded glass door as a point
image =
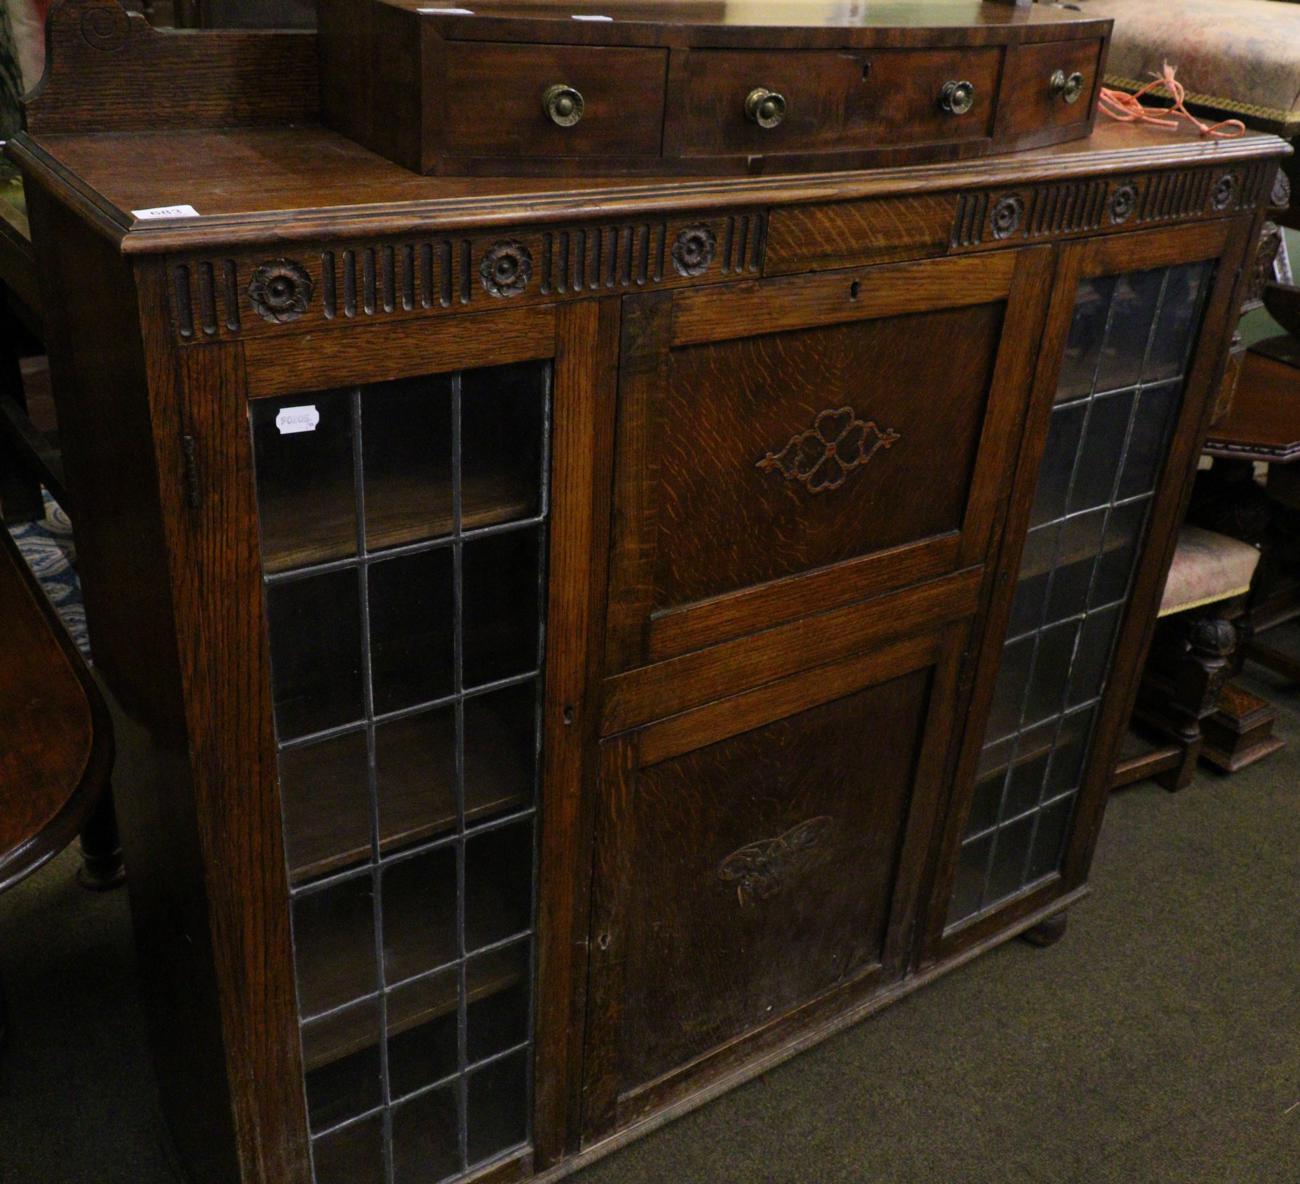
(404, 531)
(1129, 392)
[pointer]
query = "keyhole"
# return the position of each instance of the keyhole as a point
(866, 71)
(854, 289)
(567, 713)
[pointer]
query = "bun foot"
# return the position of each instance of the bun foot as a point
(1047, 932)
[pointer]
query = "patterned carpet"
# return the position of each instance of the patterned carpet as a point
(48, 548)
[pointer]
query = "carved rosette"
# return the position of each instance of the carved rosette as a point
(821, 458)
(506, 269)
(1006, 216)
(760, 870)
(1123, 202)
(694, 250)
(1225, 189)
(1279, 197)
(105, 27)
(280, 291)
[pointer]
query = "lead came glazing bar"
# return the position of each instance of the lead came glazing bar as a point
(404, 543)
(1118, 398)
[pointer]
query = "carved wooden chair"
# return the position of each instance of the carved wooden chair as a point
(1193, 654)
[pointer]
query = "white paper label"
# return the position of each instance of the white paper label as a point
(296, 419)
(583, 17)
(166, 212)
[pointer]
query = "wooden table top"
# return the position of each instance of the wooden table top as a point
(1264, 422)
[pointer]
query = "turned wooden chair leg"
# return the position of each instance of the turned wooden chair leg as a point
(101, 851)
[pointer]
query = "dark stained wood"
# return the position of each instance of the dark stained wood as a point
(849, 234)
(1264, 422)
(58, 740)
(100, 376)
(114, 72)
(692, 679)
(301, 184)
(1035, 110)
(729, 659)
(584, 403)
(314, 363)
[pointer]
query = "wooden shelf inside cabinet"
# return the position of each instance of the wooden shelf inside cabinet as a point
(332, 1039)
(310, 528)
(497, 784)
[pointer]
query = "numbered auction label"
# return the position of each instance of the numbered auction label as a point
(296, 419)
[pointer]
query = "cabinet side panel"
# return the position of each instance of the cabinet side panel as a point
(98, 367)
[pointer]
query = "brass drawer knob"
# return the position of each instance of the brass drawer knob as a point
(563, 105)
(957, 97)
(1067, 88)
(765, 107)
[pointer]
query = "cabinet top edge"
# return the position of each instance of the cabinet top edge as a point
(293, 184)
(771, 23)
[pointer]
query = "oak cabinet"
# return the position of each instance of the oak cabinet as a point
(575, 643)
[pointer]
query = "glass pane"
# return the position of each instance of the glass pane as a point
(498, 884)
(424, 1031)
(1051, 669)
(415, 765)
(1049, 842)
(1103, 449)
(1006, 874)
(354, 1155)
(407, 443)
(1093, 658)
(1180, 313)
(502, 412)
(1118, 400)
(497, 1101)
(420, 914)
(1009, 690)
(340, 1053)
(334, 945)
(326, 792)
(1057, 466)
(426, 1138)
(501, 606)
(972, 870)
(1068, 756)
(497, 1012)
(1080, 543)
(500, 751)
(1030, 600)
(1123, 534)
(987, 800)
(1149, 438)
(1087, 329)
(401, 755)
(315, 630)
(305, 490)
(412, 629)
(1133, 308)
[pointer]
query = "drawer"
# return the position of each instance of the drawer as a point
(493, 100)
(790, 445)
(833, 100)
(1048, 88)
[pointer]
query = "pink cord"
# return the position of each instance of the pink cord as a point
(1127, 108)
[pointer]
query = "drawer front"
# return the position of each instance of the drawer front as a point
(796, 444)
(500, 93)
(833, 100)
(1038, 94)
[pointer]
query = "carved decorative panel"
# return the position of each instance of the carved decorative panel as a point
(991, 218)
(315, 286)
(821, 458)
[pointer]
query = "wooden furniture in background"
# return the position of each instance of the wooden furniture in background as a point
(575, 644)
(1184, 686)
